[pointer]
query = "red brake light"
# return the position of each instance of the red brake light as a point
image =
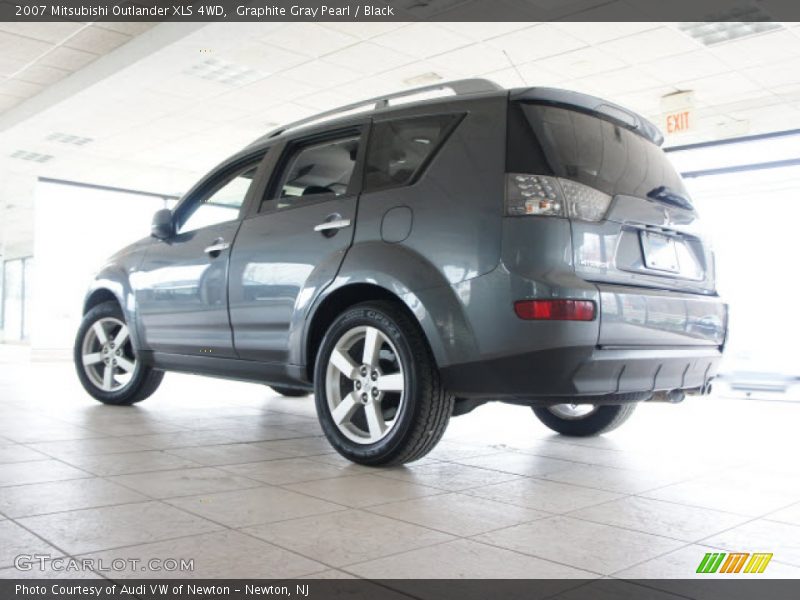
(555, 310)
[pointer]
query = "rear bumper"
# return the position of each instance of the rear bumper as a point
(584, 371)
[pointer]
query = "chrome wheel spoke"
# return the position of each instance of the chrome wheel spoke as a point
(391, 383)
(373, 340)
(93, 358)
(344, 411)
(375, 422)
(100, 332)
(122, 337)
(344, 363)
(108, 378)
(125, 364)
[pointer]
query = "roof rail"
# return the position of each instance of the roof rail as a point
(461, 87)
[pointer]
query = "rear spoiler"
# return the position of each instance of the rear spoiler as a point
(592, 105)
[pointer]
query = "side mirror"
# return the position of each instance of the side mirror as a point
(163, 226)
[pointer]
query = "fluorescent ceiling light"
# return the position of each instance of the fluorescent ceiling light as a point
(711, 34)
(215, 69)
(32, 156)
(66, 138)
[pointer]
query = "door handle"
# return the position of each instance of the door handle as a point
(329, 225)
(217, 247)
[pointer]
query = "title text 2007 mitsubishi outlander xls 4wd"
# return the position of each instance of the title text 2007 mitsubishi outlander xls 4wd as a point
(413, 256)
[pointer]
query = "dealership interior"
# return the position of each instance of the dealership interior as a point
(102, 124)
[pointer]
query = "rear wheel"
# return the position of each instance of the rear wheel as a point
(377, 389)
(106, 361)
(582, 420)
(289, 392)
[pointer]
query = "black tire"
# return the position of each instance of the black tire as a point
(601, 420)
(289, 392)
(420, 419)
(142, 382)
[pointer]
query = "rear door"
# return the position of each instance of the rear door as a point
(293, 244)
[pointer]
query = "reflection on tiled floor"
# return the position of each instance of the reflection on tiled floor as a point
(242, 481)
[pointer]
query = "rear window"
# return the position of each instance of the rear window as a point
(551, 140)
(399, 150)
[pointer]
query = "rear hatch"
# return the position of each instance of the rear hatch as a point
(632, 222)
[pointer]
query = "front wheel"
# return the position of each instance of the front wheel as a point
(583, 420)
(378, 394)
(106, 361)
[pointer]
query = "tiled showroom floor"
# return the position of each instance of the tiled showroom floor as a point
(242, 482)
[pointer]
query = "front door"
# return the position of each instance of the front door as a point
(181, 286)
(295, 243)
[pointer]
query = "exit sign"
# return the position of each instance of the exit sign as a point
(678, 122)
(677, 112)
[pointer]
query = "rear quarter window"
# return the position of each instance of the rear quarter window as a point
(399, 150)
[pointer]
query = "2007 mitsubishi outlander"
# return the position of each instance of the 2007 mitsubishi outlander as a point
(413, 256)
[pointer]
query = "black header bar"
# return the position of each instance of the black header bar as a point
(399, 10)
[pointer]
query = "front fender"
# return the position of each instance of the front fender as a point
(114, 279)
(413, 280)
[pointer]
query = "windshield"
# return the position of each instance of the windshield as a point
(552, 140)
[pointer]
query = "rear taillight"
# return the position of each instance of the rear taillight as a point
(553, 196)
(555, 310)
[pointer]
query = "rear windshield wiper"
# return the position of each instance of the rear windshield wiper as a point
(669, 196)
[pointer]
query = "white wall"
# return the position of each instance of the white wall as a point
(75, 230)
(753, 220)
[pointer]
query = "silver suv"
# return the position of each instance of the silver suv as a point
(411, 257)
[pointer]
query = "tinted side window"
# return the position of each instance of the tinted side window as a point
(223, 203)
(323, 168)
(398, 150)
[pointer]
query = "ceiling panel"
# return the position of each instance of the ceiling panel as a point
(689, 65)
(51, 33)
(422, 40)
(758, 50)
(21, 48)
(475, 59)
(582, 62)
(535, 42)
(96, 40)
(368, 58)
(158, 124)
(310, 39)
(650, 45)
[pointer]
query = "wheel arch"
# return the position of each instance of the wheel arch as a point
(332, 306)
(111, 284)
(381, 273)
(99, 296)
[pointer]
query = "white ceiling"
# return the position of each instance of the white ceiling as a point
(34, 56)
(158, 122)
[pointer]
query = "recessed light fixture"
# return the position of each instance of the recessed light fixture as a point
(222, 71)
(66, 138)
(425, 78)
(711, 34)
(32, 156)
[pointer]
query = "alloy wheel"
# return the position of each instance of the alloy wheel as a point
(572, 411)
(365, 385)
(107, 355)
